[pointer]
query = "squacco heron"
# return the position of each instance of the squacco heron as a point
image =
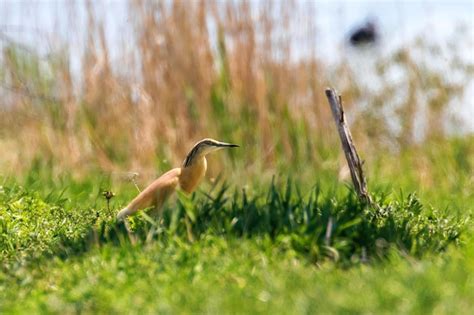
(187, 178)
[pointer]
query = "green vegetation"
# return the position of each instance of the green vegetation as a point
(220, 275)
(264, 249)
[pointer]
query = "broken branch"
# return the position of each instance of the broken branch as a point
(353, 160)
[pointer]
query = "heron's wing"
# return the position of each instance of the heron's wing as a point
(163, 193)
(155, 194)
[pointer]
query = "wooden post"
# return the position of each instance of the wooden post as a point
(353, 160)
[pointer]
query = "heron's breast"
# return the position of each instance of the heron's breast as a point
(192, 175)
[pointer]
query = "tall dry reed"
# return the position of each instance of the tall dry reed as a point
(236, 71)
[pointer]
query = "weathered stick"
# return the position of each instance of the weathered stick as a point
(353, 160)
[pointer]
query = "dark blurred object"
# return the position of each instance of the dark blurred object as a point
(366, 34)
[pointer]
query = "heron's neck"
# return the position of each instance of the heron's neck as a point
(192, 175)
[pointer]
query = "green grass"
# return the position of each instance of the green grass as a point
(219, 275)
(264, 248)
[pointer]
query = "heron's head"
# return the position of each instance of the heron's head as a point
(204, 147)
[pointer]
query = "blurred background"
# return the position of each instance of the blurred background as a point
(117, 86)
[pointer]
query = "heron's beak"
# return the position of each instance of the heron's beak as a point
(228, 145)
(221, 145)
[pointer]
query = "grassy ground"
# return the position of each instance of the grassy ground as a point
(264, 249)
(219, 275)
